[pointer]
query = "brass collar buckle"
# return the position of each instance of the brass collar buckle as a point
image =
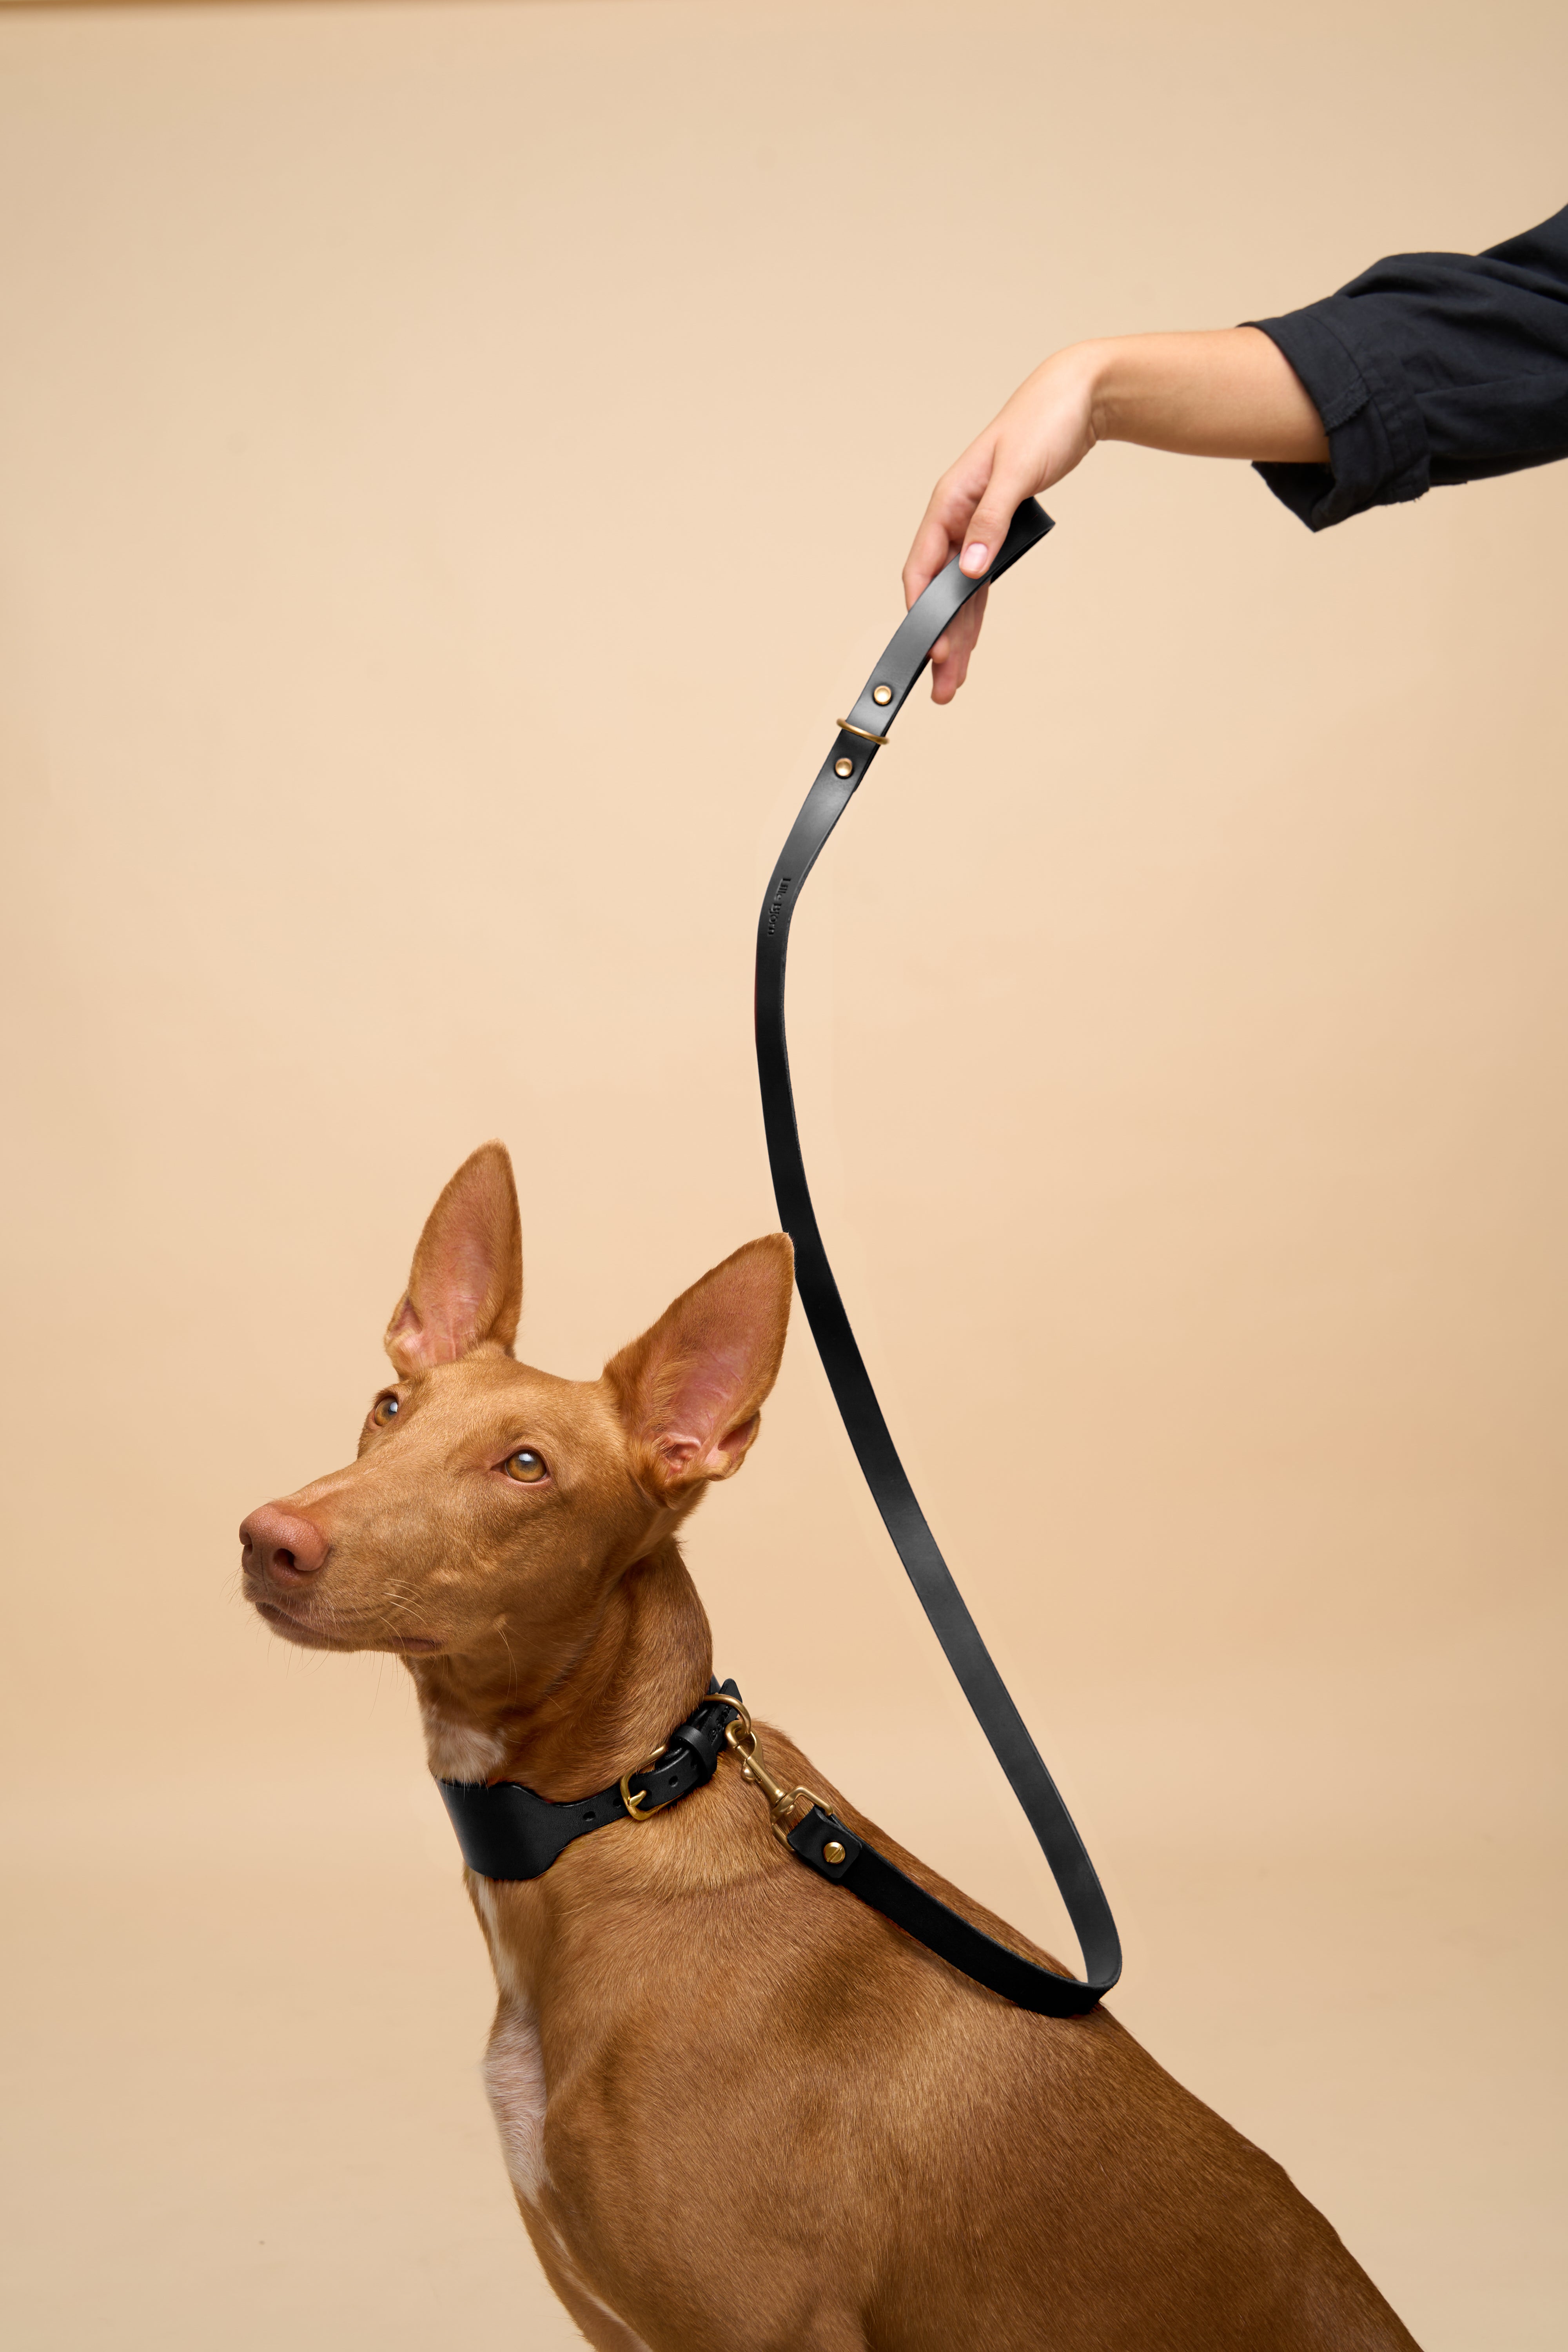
(741, 1739)
(636, 1806)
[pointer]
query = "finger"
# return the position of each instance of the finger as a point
(963, 653)
(949, 655)
(932, 547)
(959, 630)
(989, 524)
(946, 517)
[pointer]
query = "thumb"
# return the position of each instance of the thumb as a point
(1002, 495)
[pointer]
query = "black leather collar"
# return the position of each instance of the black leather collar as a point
(510, 1832)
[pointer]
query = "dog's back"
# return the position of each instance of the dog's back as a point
(792, 2122)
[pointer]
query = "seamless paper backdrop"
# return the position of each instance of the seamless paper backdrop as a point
(456, 465)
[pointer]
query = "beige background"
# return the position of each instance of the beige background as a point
(456, 465)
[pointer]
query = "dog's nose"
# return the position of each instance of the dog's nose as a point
(282, 1544)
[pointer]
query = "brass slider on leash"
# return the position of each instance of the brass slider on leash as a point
(864, 732)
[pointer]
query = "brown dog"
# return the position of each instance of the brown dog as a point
(738, 2108)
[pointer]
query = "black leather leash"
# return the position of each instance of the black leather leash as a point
(510, 1832)
(863, 1871)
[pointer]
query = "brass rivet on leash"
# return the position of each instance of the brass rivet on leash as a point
(833, 1851)
(844, 767)
(882, 695)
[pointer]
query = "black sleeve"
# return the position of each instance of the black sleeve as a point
(1431, 367)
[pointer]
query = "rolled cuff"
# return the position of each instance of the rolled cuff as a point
(1378, 450)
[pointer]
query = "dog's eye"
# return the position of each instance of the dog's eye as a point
(383, 1411)
(525, 1466)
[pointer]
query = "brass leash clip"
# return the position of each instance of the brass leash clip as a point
(740, 1739)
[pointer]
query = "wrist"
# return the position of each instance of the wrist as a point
(1115, 372)
(1069, 386)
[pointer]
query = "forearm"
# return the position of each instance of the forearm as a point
(1230, 392)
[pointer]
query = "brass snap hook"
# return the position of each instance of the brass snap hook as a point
(781, 1801)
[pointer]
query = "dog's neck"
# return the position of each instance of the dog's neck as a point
(583, 1708)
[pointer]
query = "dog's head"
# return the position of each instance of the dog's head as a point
(491, 1505)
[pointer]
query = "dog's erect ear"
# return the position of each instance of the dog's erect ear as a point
(466, 1288)
(691, 1391)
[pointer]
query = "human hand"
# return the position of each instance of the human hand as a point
(1044, 431)
(1224, 392)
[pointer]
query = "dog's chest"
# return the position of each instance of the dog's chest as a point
(514, 2062)
(514, 2078)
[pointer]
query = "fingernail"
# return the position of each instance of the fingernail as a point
(975, 558)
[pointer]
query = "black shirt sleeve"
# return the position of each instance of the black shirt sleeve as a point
(1431, 367)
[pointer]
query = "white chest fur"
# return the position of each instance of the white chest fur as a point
(459, 1751)
(515, 2063)
(514, 2077)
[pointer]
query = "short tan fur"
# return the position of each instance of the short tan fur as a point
(738, 2107)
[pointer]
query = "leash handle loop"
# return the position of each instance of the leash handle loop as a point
(854, 748)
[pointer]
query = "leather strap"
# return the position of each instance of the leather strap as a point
(869, 1874)
(864, 1873)
(509, 1832)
